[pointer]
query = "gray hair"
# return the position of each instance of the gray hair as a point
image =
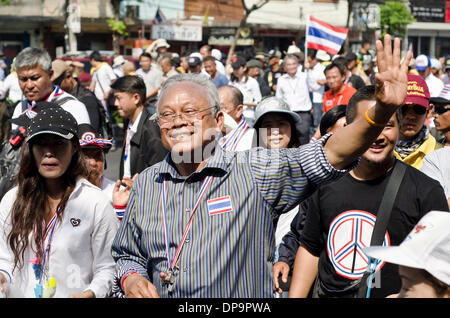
(31, 56)
(199, 79)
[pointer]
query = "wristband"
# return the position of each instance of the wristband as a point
(370, 121)
(124, 277)
(120, 210)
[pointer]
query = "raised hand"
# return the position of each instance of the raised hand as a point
(392, 77)
(121, 196)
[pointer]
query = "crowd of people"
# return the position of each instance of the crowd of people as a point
(303, 175)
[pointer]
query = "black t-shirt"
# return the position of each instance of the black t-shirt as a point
(340, 220)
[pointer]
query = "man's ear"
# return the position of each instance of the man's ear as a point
(239, 110)
(430, 110)
(220, 120)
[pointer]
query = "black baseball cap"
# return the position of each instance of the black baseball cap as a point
(54, 121)
(238, 61)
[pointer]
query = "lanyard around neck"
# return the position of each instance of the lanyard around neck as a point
(206, 182)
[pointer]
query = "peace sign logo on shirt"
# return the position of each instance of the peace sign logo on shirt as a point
(349, 233)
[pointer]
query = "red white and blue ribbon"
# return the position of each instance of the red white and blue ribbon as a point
(203, 188)
(88, 139)
(30, 113)
(231, 142)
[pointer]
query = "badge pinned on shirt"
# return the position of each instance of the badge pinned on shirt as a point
(219, 205)
(75, 222)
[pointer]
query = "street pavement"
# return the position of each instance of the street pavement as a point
(113, 156)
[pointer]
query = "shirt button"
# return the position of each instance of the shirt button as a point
(188, 210)
(187, 240)
(185, 269)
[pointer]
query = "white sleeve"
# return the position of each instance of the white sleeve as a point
(279, 92)
(78, 110)
(433, 169)
(256, 92)
(105, 228)
(6, 256)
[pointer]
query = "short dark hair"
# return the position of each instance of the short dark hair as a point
(331, 117)
(145, 54)
(340, 60)
(96, 56)
(312, 53)
(332, 65)
(364, 93)
(131, 84)
(209, 58)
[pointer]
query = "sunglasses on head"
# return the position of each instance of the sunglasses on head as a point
(419, 110)
(440, 109)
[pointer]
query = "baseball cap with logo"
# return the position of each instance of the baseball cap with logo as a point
(422, 62)
(418, 92)
(238, 61)
(443, 97)
(426, 247)
(54, 121)
(89, 138)
(194, 61)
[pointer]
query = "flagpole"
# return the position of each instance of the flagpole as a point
(306, 40)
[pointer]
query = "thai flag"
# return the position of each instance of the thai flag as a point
(219, 205)
(323, 36)
(159, 17)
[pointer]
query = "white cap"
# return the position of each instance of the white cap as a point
(422, 62)
(118, 60)
(426, 247)
(292, 49)
(322, 55)
(196, 54)
(435, 63)
(216, 54)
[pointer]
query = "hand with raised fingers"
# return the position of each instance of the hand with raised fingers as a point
(392, 77)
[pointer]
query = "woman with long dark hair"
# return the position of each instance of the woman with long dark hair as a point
(56, 228)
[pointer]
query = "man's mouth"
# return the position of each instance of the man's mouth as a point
(180, 135)
(377, 148)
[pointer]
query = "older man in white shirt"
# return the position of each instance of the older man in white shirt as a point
(293, 88)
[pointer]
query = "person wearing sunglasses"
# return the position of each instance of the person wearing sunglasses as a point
(415, 140)
(441, 115)
(437, 163)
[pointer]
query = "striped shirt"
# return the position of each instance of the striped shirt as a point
(226, 254)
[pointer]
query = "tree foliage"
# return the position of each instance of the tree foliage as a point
(394, 18)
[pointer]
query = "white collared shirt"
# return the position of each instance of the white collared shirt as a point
(315, 74)
(251, 92)
(80, 255)
(132, 129)
(294, 91)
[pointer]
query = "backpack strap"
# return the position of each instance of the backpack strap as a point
(383, 217)
(63, 100)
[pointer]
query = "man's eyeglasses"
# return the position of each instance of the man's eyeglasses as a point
(169, 117)
(419, 110)
(440, 109)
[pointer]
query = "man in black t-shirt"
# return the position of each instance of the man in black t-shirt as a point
(340, 217)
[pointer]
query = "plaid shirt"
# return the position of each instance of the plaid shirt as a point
(227, 254)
